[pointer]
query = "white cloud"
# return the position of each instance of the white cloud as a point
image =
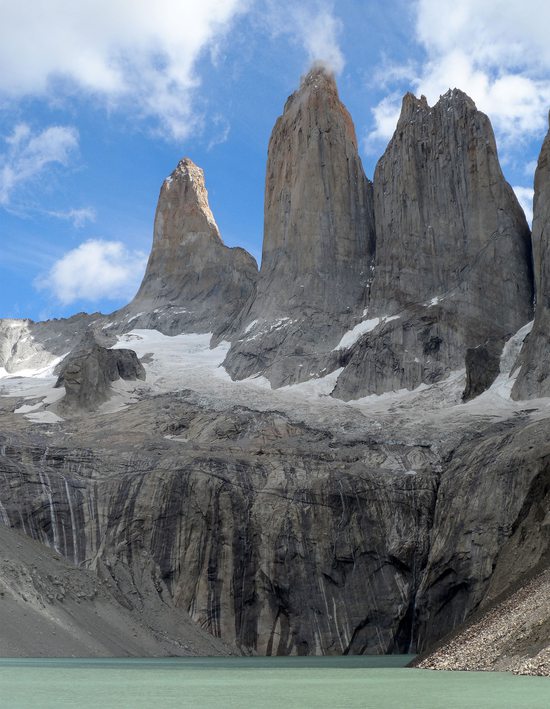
(28, 154)
(125, 52)
(222, 129)
(498, 52)
(93, 271)
(78, 217)
(530, 168)
(313, 25)
(525, 198)
(385, 116)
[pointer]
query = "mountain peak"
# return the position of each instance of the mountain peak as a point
(189, 265)
(453, 98)
(193, 213)
(318, 238)
(318, 94)
(319, 74)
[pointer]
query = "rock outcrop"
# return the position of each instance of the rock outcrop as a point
(270, 534)
(534, 377)
(453, 254)
(355, 532)
(26, 345)
(482, 368)
(89, 371)
(318, 244)
(193, 282)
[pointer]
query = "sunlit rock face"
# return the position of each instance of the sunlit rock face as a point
(453, 253)
(318, 244)
(193, 282)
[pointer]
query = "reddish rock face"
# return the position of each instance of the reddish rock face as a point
(190, 269)
(318, 224)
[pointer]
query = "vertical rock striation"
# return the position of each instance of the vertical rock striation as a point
(453, 255)
(534, 376)
(318, 240)
(193, 282)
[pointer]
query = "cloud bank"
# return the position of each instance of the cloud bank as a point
(95, 270)
(498, 52)
(124, 52)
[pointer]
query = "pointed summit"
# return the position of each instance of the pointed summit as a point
(185, 193)
(318, 236)
(191, 273)
(318, 229)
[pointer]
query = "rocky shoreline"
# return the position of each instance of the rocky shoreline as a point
(513, 636)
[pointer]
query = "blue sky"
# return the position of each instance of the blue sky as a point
(100, 99)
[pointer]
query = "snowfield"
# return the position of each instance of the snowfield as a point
(186, 362)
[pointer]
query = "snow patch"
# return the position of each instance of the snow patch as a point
(175, 359)
(503, 384)
(44, 417)
(36, 373)
(351, 337)
(315, 387)
(27, 408)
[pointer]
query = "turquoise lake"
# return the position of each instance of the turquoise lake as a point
(258, 683)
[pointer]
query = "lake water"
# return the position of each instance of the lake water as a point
(259, 683)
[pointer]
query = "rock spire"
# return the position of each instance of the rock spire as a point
(318, 238)
(190, 272)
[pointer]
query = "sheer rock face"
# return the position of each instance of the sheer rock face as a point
(285, 538)
(453, 255)
(318, 240)
(490, 527)
(193, 282)
(534, 377)
(271, 534)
